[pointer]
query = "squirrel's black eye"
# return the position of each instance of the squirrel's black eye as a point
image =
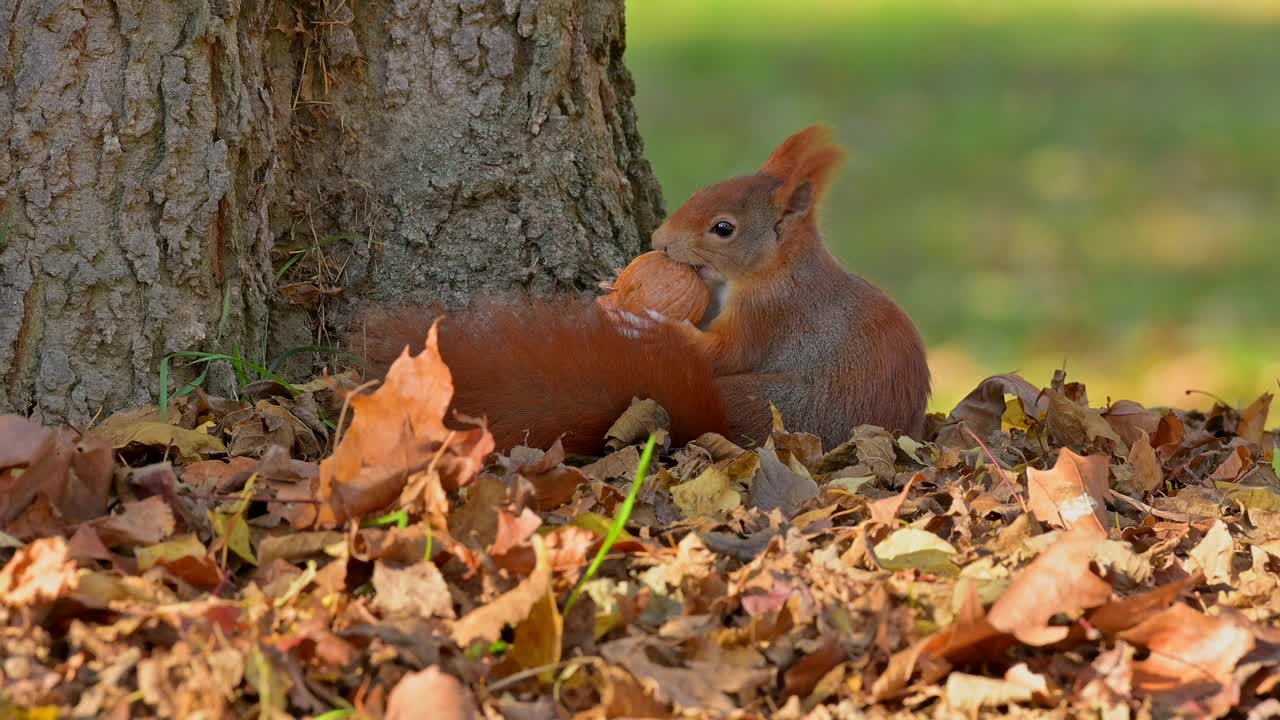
(723, 229)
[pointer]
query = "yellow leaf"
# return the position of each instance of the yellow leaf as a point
(804, 520)
(915, 549)
(539, 636)
(169, 551)
(850, 485)
(191, 445)
(1258, 498)
(707, 495)
(596, 523)
(233, 528)
(1014, 418)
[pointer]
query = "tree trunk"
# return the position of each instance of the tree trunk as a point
(226, 175)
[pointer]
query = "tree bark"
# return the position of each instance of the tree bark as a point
(167, 160)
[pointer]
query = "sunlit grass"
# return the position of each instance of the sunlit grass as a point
(1038, 182)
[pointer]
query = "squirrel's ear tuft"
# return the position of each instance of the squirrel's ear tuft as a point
(805, 163)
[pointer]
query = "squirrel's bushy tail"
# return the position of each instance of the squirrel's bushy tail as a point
(537, 369)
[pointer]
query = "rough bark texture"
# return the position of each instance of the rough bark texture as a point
(165, 160)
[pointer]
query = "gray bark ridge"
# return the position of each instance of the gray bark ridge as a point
(159, 155)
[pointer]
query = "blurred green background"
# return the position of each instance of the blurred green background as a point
(1088, 184)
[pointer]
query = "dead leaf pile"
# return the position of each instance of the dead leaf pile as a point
(282, 556)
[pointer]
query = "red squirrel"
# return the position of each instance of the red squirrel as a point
(787, 325)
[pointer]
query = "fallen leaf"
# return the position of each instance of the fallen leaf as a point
(1131, 421)
(1212, 555)
(803, 675)
(189, 445)
(184, 556)
(1147, 474)
(1107, 684)
(415, 590)
(554, 483)
(73, 474)
(430, 691)
(1072, 494)
(513, 531)
(1058, 581)
(708, 495)
(913, 549)
(971, 693)
(981, 410)
(640, 420)
(216, 475)
(487, 621)
(1232, 466)
(1121, 614)
(885, 510)
(41, 572)
(1192, 657)
(397, 431)
(1075, 425)
(775, 486)
(145, 522)
(539, 636)
(1253, 419)
(674, 685)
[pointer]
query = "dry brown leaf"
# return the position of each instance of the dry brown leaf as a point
(186, 557)
(146, 522)
(677, 686)
(981, 410)
(775, 486)
(1131, 420)
(623, 695)
(539, 637)
(1192, 659)
(1072, 494)
(73, 474)
(1212, 556)
(188, 445)
(216, 475)
(709, 495)
(970, 693)
(414, 590)
(641, 419)
(554, 483)
(1233, 465)
(513, 531)
(1147, 474)
(38, 573)
(398, 430)
(1120, 615)
(885, 510)
(803, 675)
(1058, 581)
(1077, 426)
(430, 692)
(1107, 684)
(1253, 420)
(487, 621)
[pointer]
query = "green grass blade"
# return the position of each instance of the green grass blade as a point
(619, 520)
(278, 360)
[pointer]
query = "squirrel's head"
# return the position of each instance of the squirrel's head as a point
(748, 224)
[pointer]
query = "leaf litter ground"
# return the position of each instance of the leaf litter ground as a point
(1037, 556)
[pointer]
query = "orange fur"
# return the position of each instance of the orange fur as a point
(807, 156)
(539, 368)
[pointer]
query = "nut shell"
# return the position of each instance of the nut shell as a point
(653, 281)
